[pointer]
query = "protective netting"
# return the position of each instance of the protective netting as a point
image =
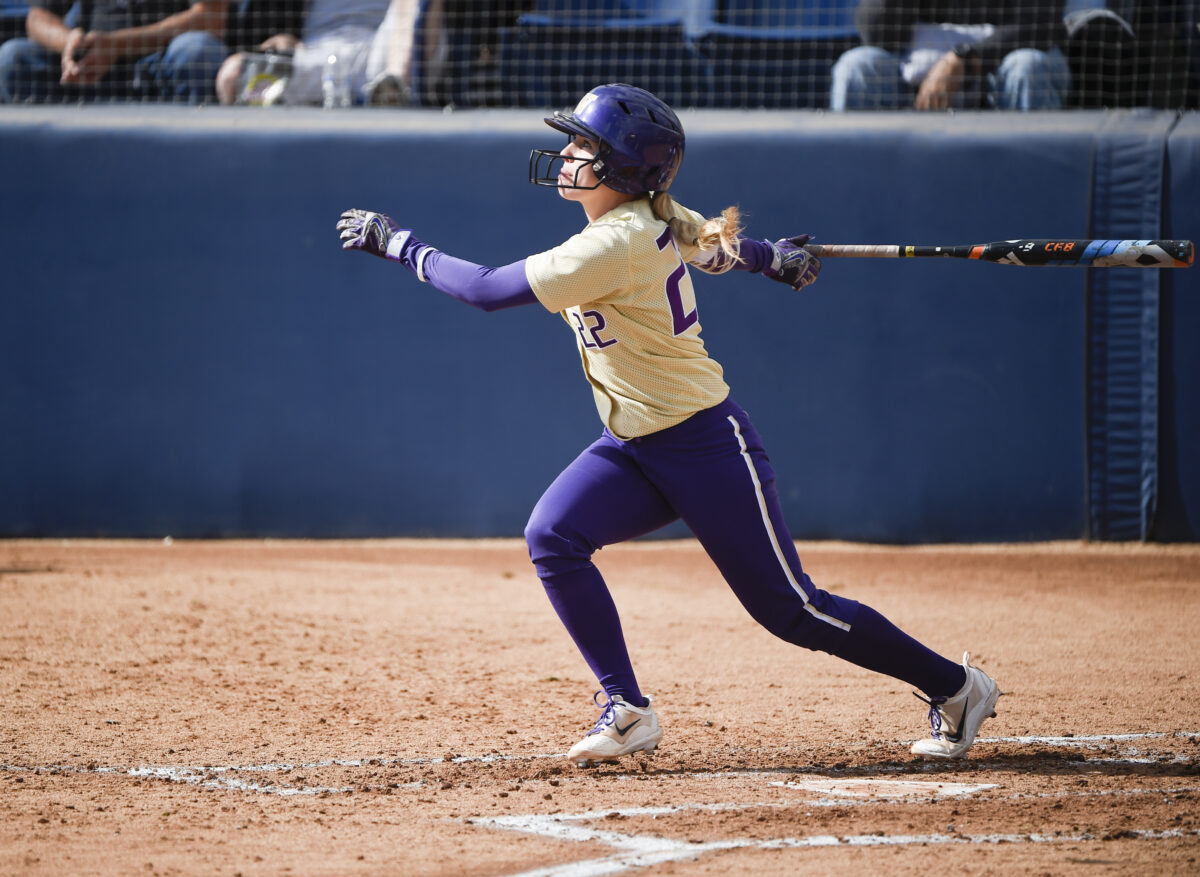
(839, 54)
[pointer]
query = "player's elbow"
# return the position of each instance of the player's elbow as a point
(488, 306)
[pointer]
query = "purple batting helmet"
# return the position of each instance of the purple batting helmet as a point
(639, 140)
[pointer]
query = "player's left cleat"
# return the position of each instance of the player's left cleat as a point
(622, 729)
(956, 720)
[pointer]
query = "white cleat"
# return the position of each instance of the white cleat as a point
(956, 720)
(622, 729)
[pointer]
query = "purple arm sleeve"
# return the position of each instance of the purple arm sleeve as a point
(756, 255)
(489, 289)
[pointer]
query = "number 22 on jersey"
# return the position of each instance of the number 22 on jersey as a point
(590, 324)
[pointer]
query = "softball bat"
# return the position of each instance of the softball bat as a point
(1030, 253)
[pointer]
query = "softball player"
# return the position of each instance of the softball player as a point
(674, 444)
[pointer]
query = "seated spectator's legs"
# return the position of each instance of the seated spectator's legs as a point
(350, 46)
(389, 61)
(29, 73)
(868, 78)
(185, 72)
(1030, 79)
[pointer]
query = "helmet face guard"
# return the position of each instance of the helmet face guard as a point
(543, 169)
(639, 140)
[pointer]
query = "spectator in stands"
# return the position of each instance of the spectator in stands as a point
(940, 55)
(115, 49)
(372, 41)
(454, 42)
(1100, 46)
(1166, 54)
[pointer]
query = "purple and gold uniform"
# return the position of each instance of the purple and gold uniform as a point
(675, 445)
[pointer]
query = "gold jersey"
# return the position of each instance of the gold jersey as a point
(622, 284)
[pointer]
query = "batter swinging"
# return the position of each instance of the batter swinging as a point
(674, 445)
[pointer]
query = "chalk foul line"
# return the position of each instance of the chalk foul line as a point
(640, 851)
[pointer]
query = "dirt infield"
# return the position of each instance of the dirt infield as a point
(401, 707)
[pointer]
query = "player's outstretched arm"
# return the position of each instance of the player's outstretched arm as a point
(489, 289)
(785, 260)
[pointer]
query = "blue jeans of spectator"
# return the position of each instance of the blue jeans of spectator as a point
(868, 78)
(185, 71)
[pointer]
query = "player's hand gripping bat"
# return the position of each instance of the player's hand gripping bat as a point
(792, 262)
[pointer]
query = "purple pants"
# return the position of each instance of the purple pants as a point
(711, 471)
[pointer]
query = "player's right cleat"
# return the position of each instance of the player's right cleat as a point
(622, 729)
(956, 720)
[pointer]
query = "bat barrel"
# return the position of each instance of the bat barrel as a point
(1103, 253)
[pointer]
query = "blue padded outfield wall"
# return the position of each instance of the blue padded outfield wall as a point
(185, 350)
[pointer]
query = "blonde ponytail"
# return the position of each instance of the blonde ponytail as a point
(718, 232)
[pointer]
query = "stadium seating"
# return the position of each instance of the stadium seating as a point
(562, 49)
(819, 17)
(12, 19)
(773, 54)
(776, 56)
(445, 82)
(720, 53)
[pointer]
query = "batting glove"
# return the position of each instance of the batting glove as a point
(379, 235)
(791, 263)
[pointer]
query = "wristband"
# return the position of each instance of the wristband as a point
(421, 256)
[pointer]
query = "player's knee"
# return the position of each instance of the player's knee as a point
(786, 623)
(804, 630)
(545, 541)
(553, 547)
(820, 623)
